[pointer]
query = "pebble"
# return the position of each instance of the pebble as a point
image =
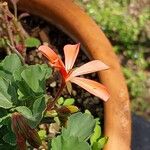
(36, 60)
(74, 93)
(53, 84)
(31, 57)
(96, 100)
(42, 126)
(39, 55)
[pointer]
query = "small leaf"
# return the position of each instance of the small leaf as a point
(46, 69)
(5, 98)
(88, 112)
(17, 73)
(101, 142)
(97, 132)
(42, 134)
(68, 101)
(25, 111)
(51, 113)
(3, 112)
(30, 81)
(60, 101)
(35, 76)
(10, 138)
(96, 135)
(9, 65)
(83, 131)
(39, 107)
(32, 42)
(34, 117)
(24, 91)
(4, 117)
(75, 135)
(69, 143)
(72, 108)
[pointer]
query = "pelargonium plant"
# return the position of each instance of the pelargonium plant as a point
(25, 104)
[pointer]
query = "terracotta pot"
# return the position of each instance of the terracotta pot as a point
(79, 26)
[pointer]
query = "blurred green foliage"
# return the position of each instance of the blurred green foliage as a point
(124, 22)
(114, 18)
(135, 81)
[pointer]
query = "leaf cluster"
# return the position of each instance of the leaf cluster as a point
(22, 89)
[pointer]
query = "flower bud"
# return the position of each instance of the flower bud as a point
(24, 132)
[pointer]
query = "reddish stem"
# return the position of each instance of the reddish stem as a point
(52, 103)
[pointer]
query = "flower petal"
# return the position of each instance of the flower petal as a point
(92, 87)
(92, 66)
(51, 56)
(71, 52)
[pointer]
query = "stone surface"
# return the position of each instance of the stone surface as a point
(140, 133)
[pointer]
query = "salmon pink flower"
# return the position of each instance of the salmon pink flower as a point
(71, 75)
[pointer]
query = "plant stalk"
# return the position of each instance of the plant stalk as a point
(5, 11)
(51, 104)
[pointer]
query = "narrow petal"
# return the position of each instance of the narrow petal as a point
(71, 52)
(92, 87)
(92, 66)
(51, 56)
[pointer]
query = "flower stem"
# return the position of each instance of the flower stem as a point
(51, 104)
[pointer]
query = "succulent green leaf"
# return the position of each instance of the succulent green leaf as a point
(100, 143)
(74, 136)
(97, 133)
(70, 143)
(30, 81)
(35, 76)
(46, 69)
(24, 91)
(84, 131)
(4, 120)
(25, 111)
(4, 117)
(34, 117)
(69, 101)
(39, 107)
(10, 138)
(42, 134)
(10, 64)
(32, 42)
(17, 73)
(5, 97)
(60, 101)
